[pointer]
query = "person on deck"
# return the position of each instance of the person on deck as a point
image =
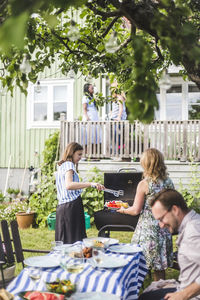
(90, 112)
(118, 112)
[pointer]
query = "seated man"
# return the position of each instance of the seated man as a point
(170, 209)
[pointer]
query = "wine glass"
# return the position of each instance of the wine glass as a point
(75, 259)
(56, 246)
(98, 254)
(35, 275)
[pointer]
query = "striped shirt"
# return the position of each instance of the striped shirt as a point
(63, 194)
(115, 111)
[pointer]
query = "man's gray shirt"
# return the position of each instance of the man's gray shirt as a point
(189, 250)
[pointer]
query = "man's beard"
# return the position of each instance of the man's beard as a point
(175, 226)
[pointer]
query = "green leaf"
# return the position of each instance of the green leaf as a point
(13, 31)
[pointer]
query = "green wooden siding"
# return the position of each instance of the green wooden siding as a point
(15, 139)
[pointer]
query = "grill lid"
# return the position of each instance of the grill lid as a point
(122, 181)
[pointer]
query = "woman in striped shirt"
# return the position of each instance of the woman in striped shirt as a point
(118, 112)
(70, 220)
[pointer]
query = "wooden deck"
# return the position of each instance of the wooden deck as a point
(177, 140)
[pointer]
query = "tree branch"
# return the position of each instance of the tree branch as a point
(89, 45)
(104, 14)
(67, 46)
(109, 26)
(124, 44)
(158, 50)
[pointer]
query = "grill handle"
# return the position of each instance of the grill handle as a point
(102, 231)
(126, 169)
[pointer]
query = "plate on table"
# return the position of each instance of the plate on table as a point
(94, 296)
(99, 242)
(41, 262)
(40, 295)
(127, 248)
(62, 247)
(108, 262)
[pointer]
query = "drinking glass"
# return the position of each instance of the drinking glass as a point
(97, 254)
(75, 259)
(56, 246)
(35, 275)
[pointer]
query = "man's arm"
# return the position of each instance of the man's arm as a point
(189, 292)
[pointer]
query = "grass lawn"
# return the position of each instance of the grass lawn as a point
(41, 238)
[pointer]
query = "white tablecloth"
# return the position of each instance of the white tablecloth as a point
(124, 282)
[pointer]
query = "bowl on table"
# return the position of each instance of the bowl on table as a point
(65, 287)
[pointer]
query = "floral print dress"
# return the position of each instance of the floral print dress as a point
(155, 242)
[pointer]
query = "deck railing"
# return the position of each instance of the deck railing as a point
(106, 139)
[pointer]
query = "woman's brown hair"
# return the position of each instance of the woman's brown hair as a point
(69, 152)
(152, 161)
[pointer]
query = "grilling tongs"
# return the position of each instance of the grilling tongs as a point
(114, 192)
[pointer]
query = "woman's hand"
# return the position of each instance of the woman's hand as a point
(98, 186)
(121, 210)
(118, 119)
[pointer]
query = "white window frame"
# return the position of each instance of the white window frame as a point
(50, 123)
(176, 80)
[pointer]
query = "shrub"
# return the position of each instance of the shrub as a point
(44, 200)
(8, 211)
(92, 199)
(192, 194)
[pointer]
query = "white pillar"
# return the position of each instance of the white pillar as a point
(163, 105)
(185, 100)
(103, 81)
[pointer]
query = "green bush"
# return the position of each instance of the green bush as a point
(92, 199)
(51, 152)
(44, 200)
(1, 197)
(13, 191)
(8, 211)
(192, 193)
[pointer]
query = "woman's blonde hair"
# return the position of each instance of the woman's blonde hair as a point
(69, 152)
(152, 161)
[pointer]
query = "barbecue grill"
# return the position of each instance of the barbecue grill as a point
(107, 220)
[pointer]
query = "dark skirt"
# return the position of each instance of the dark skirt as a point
(70, 222)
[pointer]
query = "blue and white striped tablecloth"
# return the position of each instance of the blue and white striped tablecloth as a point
(124, 282)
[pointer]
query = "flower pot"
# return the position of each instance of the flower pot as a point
(8, 273)
(25, 220)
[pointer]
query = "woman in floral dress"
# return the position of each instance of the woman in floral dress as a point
(155, 242)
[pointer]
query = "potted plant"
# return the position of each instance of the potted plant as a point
(12, 193)
(25, 219)
(18, 209)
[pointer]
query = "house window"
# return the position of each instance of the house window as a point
(46, 105)
(59, 101)
(170, 104)
(174, 103)
(40, 104)
(194, 102)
